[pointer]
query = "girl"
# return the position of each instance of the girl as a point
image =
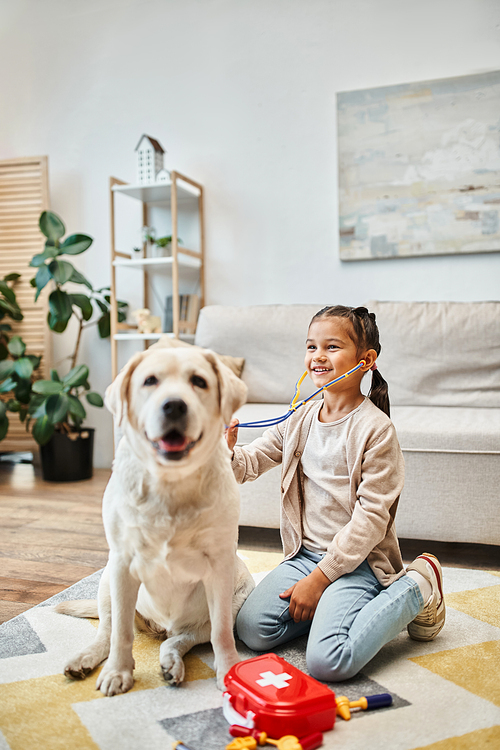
(342, 579)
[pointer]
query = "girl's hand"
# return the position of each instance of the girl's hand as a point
(305, 595)
(231, 434)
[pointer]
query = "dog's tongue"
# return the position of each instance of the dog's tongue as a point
(172, 442)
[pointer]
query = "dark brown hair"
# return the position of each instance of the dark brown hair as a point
(365, 335)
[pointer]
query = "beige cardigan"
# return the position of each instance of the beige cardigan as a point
(376, 477)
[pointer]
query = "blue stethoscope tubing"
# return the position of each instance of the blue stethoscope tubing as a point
(294, 404)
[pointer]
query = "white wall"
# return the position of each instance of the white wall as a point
(241, 93)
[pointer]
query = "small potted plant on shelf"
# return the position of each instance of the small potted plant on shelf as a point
(54, 411)
(163, 244)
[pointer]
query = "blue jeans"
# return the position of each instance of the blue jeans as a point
(354, 618)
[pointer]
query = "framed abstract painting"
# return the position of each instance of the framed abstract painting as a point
(419, 168)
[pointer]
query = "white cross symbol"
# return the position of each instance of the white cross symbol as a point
(276, 680)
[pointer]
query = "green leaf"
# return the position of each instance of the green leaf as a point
(6, 368)
(35, 361)
(76, 244)
(4, 426)
(84, 303)
(10, 309)
(4, 352)
(104, 325)
(7, 385)
(13, 405)
(76, 408)
(36, 406)
(12, 277)
(5, 327)
(57, 407)
(42, 278)
(38, 260)
(22, 391)
(79, 278)
(47, 387)
(43, 430)
(61, 270)
(24, 368)
(54, 375)
(51, 225)
(49, 252)
(7, 291)
(55, 324)
(60, 308)
(16, 346)
(3, 410)
(75, 377)
(94, 398)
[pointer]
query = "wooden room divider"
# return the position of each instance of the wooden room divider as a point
(24, 194)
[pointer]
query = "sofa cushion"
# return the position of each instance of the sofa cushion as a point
(440, 353)
(447, 428)
(271, 338)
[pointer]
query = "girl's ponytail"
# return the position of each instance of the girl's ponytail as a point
(379, 392)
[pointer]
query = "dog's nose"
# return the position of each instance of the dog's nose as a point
(174, 408)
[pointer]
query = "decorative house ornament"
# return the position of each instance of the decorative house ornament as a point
(163, 176)
(149, 160)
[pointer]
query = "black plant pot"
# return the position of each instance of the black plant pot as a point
(68, 460)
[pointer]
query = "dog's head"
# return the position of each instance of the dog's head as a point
(173, 403)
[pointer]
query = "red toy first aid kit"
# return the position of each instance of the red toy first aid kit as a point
(269, 694)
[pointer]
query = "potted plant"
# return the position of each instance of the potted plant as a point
(17, 369)
(55, 411)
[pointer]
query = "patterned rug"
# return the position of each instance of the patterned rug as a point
(446, 693)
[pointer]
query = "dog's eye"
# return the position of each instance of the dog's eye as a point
(198, 382)
(152, 380)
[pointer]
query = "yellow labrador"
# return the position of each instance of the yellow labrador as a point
(170, 513)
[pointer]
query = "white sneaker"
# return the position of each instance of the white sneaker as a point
(430, 621)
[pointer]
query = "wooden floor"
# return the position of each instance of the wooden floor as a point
(51, 536)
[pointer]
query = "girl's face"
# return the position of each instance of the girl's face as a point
(330, 350)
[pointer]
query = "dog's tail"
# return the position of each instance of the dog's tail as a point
(79, 608)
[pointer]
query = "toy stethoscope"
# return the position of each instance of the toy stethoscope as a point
(294, 403)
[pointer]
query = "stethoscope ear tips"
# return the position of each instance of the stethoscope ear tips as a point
(362, 363)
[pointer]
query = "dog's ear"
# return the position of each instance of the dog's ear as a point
(117, 394)
(232, 390)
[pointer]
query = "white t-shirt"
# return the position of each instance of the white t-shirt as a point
(326, 482)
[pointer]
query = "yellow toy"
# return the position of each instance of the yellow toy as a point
(344, 705)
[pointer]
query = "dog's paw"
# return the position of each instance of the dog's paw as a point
(81, 666)
(114, 681)
(172, 667)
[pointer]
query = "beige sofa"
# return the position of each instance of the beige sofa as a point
(442, 363)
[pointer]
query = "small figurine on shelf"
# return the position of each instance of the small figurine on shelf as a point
(147, 323)
(149, 160)
(163, 176)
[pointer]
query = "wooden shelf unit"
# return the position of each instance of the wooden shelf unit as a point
(178, 192)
